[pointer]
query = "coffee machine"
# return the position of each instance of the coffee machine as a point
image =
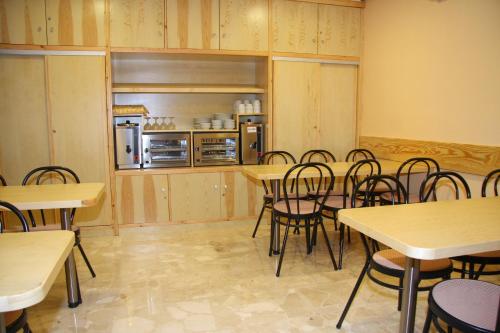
(251, 142)
(128, 146)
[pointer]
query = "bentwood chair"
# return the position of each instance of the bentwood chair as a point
(294, 208)
(322, 156)
(388, 262)
(16, 320)
(359, 154)
(444, 185)
(490, 185)
(40, 175)
(358, 171)
(470, 306)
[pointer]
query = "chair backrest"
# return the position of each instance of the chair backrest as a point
(359, 154)
(318, 155)
(10, 207)
(275, 157)
(431, 184)
(40, 175)
(407, 168)
(2, 181)
(494, 177)
(322, 173)
(364, 193)
(357, 172)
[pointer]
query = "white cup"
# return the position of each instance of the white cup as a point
(241, 108)
(248, 108)
(236, 105)
(246, 101)
(256, 103)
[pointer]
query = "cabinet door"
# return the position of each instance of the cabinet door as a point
(193, 24)
(195, 196)
(142, 199)
(239, 195)
(136, 23)
(75, 22)
(339, 30)
(244, 25)
(22, 22)
(338, 108)
(296, 106)
(77, 111)
(295, 26)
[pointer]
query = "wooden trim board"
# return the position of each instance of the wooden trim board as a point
(472, 159)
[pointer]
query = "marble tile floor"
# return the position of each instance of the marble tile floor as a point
(215, 278)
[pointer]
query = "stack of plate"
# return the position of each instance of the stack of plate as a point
(229, 123)
(201, 120)
(216, 123)
(222, 116)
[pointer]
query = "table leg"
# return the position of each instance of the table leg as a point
(74, 298)
(2, 323)
(275, 183)
(410, 286)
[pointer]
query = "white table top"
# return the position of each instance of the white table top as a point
(29, 264)
(431, 230)
(52, 196)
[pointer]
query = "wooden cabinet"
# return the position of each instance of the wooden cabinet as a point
(244, 25)
(76, 22)
(295, 26)
(137, 23)
(23, 22)
(339, 30)
(193, 24)
(142, 199)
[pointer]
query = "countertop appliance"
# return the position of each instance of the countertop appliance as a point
(164, 150)
(127, 139)
(221, 148)
(251, 142)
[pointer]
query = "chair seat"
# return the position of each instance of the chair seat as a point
(379, 188)
(471, 301)
(269, 196)
(322, 193)
(395, 260)
(305, 207)
(337, 202)
(412, 197)
(12, 316)
(490, 254)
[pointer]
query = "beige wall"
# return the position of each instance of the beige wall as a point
(431, 70)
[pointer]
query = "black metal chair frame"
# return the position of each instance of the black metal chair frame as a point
(364, 153)
(325, 157)
(399, 195)
(60, 172)
(325, 174)
(428, 187)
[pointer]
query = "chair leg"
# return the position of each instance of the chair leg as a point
(464, 267)
(341, 244)
(26, 328)
(427, 324)
(348, 234)
(285, 237)
(479, 271)
(272, 235)
(308, 236)
(328, 244)
(471, 270)
(335, 218)
(400, 293)
(86, 260)
(258, 221)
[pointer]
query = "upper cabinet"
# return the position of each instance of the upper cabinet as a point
(193, 24)
(23, 22)
(244, 25)
(136, 23)
(76, 22)
(295, 26)
(339, 30)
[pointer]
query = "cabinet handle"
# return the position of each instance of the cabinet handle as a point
(216, 187)
(39, 29)
(49, 18)
(163, 190)
(314, 40)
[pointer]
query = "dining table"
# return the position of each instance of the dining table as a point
(29, 265)
(63, 197)
(430, 230)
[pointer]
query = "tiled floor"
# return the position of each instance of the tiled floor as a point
(215, 278)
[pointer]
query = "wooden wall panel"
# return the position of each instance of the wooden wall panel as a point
(22, 22)
(24, 143)
(193, 24)
(295, 26)
(77, 109)
(244, 25)
(339, 30)
(473, 159)
(136, 23)
(76, 22)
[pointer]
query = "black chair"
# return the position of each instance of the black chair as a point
(18, 319)
(321, 156)
(449, 180)
(468, 305)
(484, 258)
(38, 176)
(2, 181)
(407, 169)
(292, 207)
(359, 154)
(388, 261)
(358, 171)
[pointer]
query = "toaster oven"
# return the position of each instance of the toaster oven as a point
(163, 150)
(216, 148)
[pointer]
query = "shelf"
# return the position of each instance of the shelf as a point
(163, 88)
(192, 131)
(250, 114)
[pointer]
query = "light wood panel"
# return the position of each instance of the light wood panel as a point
(238, 195)
(76, 22)
(77, 109)
(24, 141)
(185, 88)
(296, 106)
(137, 23)
(244, 25)
(337, 125)
(195, 196)
(295, 26)
(193, 24)
(339, 30)
(473, 159)
(22, 22)
(142, 199)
